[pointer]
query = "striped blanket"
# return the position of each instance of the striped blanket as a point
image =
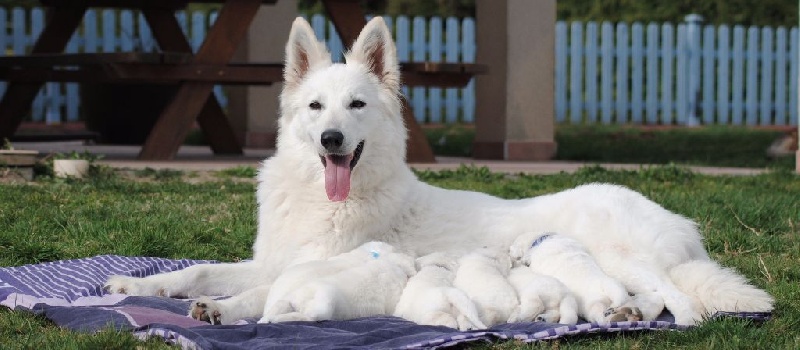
(70, 294)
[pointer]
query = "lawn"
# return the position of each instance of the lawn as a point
(750, 223)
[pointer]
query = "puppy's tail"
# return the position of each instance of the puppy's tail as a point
(465, 307)
(719, 288)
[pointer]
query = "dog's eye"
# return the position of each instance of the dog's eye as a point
(315, 105)
(357, 104)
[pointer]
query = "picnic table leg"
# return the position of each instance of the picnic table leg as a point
(18, 97)
(176, 118)
(418, 150)
(348, 18)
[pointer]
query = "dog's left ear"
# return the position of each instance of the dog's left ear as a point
(375, 48)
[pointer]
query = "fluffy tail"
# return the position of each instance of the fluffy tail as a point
(719, 288)
(466, 307)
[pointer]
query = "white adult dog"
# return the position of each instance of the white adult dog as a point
(366, 281)
(542, 298)
(339, 179)
(430, 298)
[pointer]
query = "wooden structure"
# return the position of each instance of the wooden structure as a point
(194, 74)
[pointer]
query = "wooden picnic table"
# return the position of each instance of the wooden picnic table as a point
(194, 74)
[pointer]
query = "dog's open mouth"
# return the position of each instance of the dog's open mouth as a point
(337, 172)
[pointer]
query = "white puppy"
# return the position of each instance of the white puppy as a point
(542, 298)
(601, 299)
(482, 275)
(430, 298)
(366, 281)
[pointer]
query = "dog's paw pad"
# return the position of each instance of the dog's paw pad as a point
(205, 309)
(624, 313)
(119, 284)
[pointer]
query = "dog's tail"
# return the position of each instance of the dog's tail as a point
(719, 288)
(465, 307)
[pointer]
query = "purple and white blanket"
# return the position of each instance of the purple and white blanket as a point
(70, 294)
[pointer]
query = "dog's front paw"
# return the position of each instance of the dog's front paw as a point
(623, 313)
(132, 286)
(206, 309)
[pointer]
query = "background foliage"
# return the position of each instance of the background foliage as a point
(744, 12)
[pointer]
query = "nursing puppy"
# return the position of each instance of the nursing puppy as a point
(366, 281)
(601, 299)
(542, 298)
(430, 298)
(482, 275)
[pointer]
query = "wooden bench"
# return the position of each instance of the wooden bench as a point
(195, 74)
(173, 67)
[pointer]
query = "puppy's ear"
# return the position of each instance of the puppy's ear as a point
(303, 53)
(375, 48)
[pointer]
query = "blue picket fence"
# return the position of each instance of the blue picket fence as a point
(684, 74)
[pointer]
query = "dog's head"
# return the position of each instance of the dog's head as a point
(336, 117)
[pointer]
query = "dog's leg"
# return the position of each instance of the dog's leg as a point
(441, 318)
(568, 308)
(549, 316)
(250, 303)
(290, 317)
(597, 310)
(322, 305)
(650, 304)
(530, 306)
(195, 281)
(276, 312)
(643, 280)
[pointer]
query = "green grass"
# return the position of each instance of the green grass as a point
(713, 146)
(750, 223)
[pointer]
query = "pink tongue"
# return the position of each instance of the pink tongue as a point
(337, 177)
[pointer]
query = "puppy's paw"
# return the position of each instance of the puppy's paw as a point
(623, 313)
(549, 317)
(133, 286)
(206, 309)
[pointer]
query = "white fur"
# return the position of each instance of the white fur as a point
(623, 230)
(542, 298)
(366, 281)
(430, 298)
(482, 275)
(564, 259)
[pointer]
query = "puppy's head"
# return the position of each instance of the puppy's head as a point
(520, 249)
(498, 258)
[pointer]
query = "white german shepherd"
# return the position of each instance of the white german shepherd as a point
(339, 179)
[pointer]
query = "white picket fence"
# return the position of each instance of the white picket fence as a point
(621, 73)
(683, 74)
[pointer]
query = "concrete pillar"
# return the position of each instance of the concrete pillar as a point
(253, 110)
(515, 100)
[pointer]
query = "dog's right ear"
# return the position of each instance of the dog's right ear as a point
(303, 53)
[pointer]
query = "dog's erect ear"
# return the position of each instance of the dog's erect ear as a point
(303, 53)
(375, 48)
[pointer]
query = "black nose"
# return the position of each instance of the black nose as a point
(332, 140)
